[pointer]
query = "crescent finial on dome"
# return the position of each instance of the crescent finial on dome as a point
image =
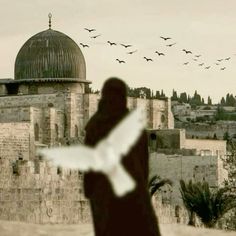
(50, 22)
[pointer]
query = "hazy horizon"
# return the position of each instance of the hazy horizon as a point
(203, 27)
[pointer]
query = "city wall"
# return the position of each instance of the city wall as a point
(203, 130)
(36, 192)
(196, 168)
(15, 140)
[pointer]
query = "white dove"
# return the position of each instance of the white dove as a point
(105, 157)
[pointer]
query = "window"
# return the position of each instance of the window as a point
(76, 131)
(163, 118)
(36, 132)
(153, 136)
(56, 132)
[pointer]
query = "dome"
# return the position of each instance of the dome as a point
(50, 54)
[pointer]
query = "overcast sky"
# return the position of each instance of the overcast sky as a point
(206, 27)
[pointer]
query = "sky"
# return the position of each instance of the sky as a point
(204, 27)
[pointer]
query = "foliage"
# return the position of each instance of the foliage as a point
(209, 101)
(229, 100)
(209, 205)
(144, 92)
(230, 165)
(221, 114)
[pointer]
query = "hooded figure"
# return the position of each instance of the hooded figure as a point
(131, 214)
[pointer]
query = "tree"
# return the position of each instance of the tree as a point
(209, 205)
(183, 97)
(226, 137)
(230, 100)
(215, 136)
(174, 96)
(156, 183)
(196, 100)
(223, 102)
(209, 101)
(230, 166)
(158, 95)
(220, 113)
(162, 94)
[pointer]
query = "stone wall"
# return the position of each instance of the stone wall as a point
(207, 146)
(196, 168)
(174, 139)
(15, 141)
(75, 109)
(204, 130)
(39, 193)
(158, 112)
(168, 213)
(166, 139)
(42, 100)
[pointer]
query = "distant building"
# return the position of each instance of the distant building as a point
(175, 157)
(174, 141)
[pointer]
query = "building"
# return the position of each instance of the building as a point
(48, 100)
(48, 104)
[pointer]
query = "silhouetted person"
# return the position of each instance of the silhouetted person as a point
(131, 214)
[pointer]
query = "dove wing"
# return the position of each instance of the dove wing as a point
(75, 157)
(121, 181)
(126, 133)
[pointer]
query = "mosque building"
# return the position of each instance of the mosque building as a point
(48, 101)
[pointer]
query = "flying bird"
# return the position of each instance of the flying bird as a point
(106, 156)
(194, 59)
(90, 30)
(223, 68)
(95, 36)
(120, 61)
(160, 53)
(126, 45)
(227, 58)
(111, 43)
(219, 60)
(170, 45)
(207, 67)
(201, 64)
(187, 51)
(198, 55)
(165, 38)
(132, 52)
(217, 64)
(148, 59)
(84, 45)
(186, 63)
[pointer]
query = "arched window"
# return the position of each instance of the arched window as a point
(163, 118)
(36, 132)
(76, 131)
(153, 136)
(56, 132)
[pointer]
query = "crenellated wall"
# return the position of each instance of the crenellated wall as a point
(37, 192)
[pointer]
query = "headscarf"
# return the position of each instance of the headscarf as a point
(111, 109)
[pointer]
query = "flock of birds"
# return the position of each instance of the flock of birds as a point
(195, 57)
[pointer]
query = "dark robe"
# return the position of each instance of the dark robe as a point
(131, 214)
